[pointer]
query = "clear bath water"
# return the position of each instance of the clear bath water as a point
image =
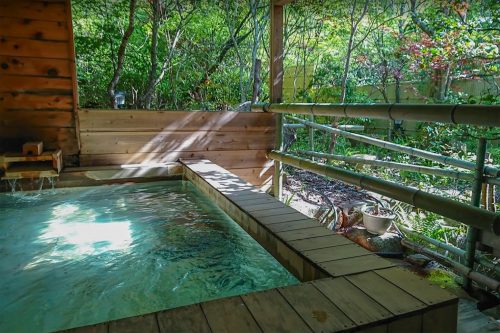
(75, 257)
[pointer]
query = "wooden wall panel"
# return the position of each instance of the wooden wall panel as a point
(159, 142)
(238, 141)
(34, 101)
(29, 66)
(32, 119)
(37, 78)
(113, 120)
(41, 10)
(235, 158)
(24, 47)
(28, 84)
(35, 29)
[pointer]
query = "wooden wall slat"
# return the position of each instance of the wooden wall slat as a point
(35, 66)
(21, 101)
(46, 10)
(234, 158)
(126, 120)
(22, 47)
(255, 175)
(18, 83)
(34, 29)
(29, 118)
(156, 142)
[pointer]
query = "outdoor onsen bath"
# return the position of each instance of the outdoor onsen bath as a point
(79, 256)
(249, 166)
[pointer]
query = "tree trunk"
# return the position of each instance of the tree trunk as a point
(121, 55)
(347, 64)
(397, 90)
(350, 48)
(233, 41)
(150, 85)
(343, 87)
(256, 81)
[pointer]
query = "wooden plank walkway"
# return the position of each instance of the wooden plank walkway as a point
(345, 287)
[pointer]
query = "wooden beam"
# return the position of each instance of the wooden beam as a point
(276, 85)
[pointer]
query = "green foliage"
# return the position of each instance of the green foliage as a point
(187, 83)
(389, 48)
(444, 279)
(434, 226)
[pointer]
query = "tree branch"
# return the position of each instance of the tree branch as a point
(121, 54)
(416, 19)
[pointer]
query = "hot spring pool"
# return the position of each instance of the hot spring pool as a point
(75, 257)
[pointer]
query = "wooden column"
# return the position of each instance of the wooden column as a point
(73, 73)
(276, 86)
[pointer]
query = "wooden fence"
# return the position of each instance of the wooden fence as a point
(236, 141)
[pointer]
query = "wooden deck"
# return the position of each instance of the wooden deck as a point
(344, 288)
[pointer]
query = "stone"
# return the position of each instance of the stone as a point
(387, 243)
(418, 259)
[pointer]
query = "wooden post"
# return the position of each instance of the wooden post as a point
(276, 87)
(74, 77)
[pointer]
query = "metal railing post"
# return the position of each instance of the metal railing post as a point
(311, 134)
(278, 166)
(472, 232)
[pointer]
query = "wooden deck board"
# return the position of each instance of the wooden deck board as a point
(246, 195)
(358, 306)
(315, 309)
(355, 265)
(229, 315)
(250, 195)
(99, 328)
(293, 225)
(273, 313)
(185, 319)
(304, 233)
(276, 212)
(265, 220)
(319, 242)
(385, 293)
(413, 285)
(253, 200)
(336, 253)
(143, 324)
(266, 206)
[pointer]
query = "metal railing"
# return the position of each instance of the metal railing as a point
(469, 214)
(482, 115)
